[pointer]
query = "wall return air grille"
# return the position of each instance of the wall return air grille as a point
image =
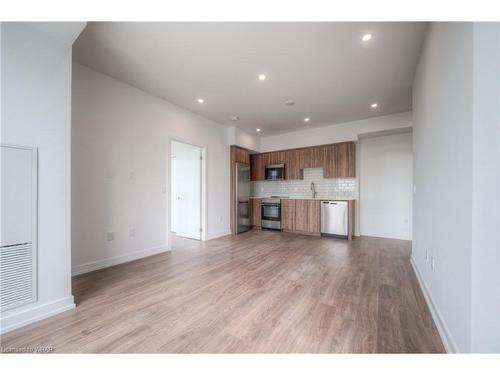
(18, 234)
(17, 275)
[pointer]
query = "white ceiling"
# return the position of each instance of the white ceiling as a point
(324, 67)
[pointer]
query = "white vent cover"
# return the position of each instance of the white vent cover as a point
(18, 224)
(17, 275)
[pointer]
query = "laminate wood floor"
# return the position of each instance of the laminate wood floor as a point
(258, 292)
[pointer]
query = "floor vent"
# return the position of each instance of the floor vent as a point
(17, 275)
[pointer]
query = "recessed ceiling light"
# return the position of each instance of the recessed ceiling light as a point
(306, 119)
(366, 37)
(289, 103)
(234, 118)
(258, 129)
(201, 100)
(374, 105)
(262, 77)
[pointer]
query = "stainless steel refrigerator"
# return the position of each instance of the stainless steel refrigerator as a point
(242, 196)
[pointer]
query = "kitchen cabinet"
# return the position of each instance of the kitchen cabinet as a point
(329, 162)
(239, 154)
(257, 167)
(345, 160)
(318, 157)
(255, 213)
(301, 216)
(338, 160)
(313, 216)
(288, 214)
(292, 167)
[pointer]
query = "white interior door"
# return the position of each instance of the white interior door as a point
(187, 189)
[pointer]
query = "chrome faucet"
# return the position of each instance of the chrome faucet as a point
(313, 189)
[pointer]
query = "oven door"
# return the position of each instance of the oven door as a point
(271, 211)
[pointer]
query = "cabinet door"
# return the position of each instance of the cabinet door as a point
(318, 157)
(256, 212)
(256, 167)
(313, 216)
(345, 160)
(329, 168)
(288, 214)
(301, 215)
(307, 156)
(292, 168)
(266, 159)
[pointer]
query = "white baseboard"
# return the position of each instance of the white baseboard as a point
(446, 337)
(33, 313)
(113, 261)
(218, 235)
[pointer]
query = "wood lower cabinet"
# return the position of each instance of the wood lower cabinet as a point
(313, 216)
(301, 215)
(288, 214)
(255, 213)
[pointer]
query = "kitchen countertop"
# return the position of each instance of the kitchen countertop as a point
(318, 199)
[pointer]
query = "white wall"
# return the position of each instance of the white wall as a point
(36, 111)
(118, 129)
(347, 131)
(385, 186)
(239, 137)
(456, 178)
(485, 314)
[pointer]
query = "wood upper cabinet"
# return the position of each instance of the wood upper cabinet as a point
(329, 162)
(301, 215)
(239, 154)
(256, 167)
(345, 164)
(318, 157)
(292, 167)
(313, 216)
(288, 214)
(255, 216)
(338, 160)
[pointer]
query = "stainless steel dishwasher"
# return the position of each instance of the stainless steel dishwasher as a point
(335, 219)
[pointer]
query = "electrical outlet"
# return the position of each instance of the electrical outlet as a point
(131, 175)
(433, 263)
(220, 219)
(110, 236)
(131, 232)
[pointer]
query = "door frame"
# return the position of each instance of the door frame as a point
(203, 188)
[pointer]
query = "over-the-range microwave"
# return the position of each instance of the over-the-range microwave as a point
(275, 172)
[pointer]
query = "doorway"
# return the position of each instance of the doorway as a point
(186, 190)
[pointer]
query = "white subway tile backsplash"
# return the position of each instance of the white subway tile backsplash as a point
(328, 188)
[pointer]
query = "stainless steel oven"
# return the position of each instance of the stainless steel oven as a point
(275, 172)
(271, 213)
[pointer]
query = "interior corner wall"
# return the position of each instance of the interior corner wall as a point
(119, 131)
(36, 112)
(239, 137)
(347, 131)
(485, 314)
(385, 185)
(456, 176)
